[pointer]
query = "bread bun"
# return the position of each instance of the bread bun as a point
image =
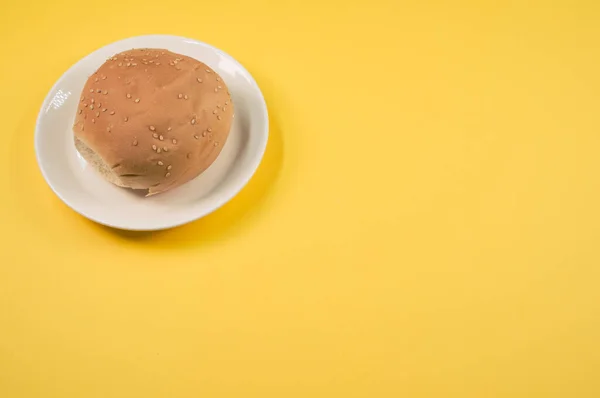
(152, 119)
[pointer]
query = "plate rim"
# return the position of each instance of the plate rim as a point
(256, 160)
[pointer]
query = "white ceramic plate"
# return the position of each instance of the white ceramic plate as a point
(82, 189)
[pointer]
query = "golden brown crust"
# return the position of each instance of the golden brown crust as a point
(156, 118)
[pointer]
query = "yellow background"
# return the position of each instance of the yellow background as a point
(425, 222)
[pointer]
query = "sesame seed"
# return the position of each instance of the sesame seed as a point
(160, 163)
(112, 112)
(216, 144)
(174, 141)
(171, 63)
(224, 108)
(204, 134)
(207, 70)
(98, 91)
(160, 137)
(91, 90)
(193, 121)
(92, 107)
(158, 150)
(99, 105)
(199, 80)
(196, 137)
(93, 120)
(108, 129)
(80, 111)
(154, 147)
(155, 135)
(209, 129)
(128, 63)
(135, 142)
(158, 63)
(215, 112)
(175, 62)
(152, 128)
(105, 92)
(128, 95)
(168, 175)
(169, 167)
(218, 79)
(185, 96)
(169, 129)
(219, 87)
(216, 89)
(97, 114)
(137, 100)
(120, 63)
(104, 110)
(103, 77)
(180, 96)
(93, 100)
(134, 64)
(96, 79)
(219, 117)
(126, 118)
(226, 102)
(85, 105)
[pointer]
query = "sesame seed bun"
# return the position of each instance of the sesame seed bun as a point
(152, 119)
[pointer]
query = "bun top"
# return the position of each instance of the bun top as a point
(152, 119)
